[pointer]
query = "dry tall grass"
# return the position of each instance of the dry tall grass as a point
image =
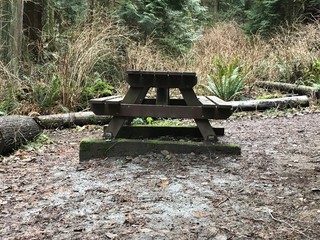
(298, 47)
(99, 41)
(285, 55)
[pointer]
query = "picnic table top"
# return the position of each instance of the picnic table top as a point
(161, 79)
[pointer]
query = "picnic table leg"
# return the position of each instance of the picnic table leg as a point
(162, 96)
(134, 95)
(203, 124)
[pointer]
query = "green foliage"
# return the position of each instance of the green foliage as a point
(46, 93)
(9, 102)
(290, 72)
(41, 140)
(99, 88)
(173, 24)
(270, 96)
(149, 120)
(156, 122)
(267, 15)
(71, 11)
(167, 122)
(137, 121)
(227, 10)
(226, 81)
(312, 74)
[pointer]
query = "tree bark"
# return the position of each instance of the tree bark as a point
(71, 119)
(11, 15)
(291, 88)
(15, 131)
(279, 103)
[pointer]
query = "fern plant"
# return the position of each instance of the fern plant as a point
(227, 80)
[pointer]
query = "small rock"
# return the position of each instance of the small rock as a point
(165, 152)
(144, 159)
(317, 168)
(80, 168)
(221, 237)
(136, 160)
(146, 230)
(111, 235)
(31, 159)
(181, 177)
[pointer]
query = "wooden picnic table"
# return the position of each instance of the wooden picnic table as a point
(135, 103)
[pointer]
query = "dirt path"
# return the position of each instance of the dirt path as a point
(271, 191)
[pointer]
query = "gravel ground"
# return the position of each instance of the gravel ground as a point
(271, 191)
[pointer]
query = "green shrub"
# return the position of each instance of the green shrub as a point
(290, 72)
(46, 93)
(227, 80)
(312, 74)
(99, 88)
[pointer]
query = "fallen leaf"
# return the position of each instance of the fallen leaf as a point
(129, 218)
(164, 182)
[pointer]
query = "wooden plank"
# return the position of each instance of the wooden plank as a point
(101, 105)
(98, 148)
(103, 99)
(114, 101)
(205, 102)
(176, 102)
(138, 132)
(145, 110)
(161, 79)
(219, 102)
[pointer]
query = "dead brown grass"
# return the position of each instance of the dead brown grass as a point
(99, 41)
(299, 46)
(292, 49)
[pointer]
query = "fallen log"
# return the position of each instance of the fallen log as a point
(71, 119)
(291, 88)
(279, 103)
(16, 131)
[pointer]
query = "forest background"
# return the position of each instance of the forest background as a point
(55, 55)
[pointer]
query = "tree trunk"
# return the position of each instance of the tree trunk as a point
(15, 131)
(291, 88)
(71, 119)
(11, 15)
(279, 103)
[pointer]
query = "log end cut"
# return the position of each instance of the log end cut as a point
(15, 131)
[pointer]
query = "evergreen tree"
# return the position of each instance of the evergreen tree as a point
(173, 24)
(266, 15)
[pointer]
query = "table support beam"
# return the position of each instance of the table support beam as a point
(203, 124)
(134, 95)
